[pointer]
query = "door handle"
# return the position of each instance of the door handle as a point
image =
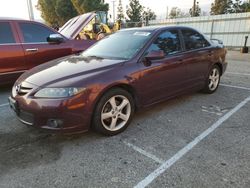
(32, 50)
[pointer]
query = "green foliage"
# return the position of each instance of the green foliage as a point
(229, 6)
(239, 7)
(134, 11)
(48, 13)
(120, 14)
(221, 7)
(197, 11)
(84, 6)
(149, 14)
(177, 13)
(64, 10)
(245, 7)
(57, 12)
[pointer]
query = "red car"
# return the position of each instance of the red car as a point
(103, 86)
(26, 44)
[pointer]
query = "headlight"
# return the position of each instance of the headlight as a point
(58, 92)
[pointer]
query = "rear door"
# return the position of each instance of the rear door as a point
(36, 48)
(165, 77)
(198, 55)
(12, 62)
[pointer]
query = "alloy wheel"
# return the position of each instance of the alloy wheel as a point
(214, 79)
(115, 113)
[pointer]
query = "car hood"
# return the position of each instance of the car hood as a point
(68, 71)
(73, 27)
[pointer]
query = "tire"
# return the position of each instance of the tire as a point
(110, 119)
(213, 80)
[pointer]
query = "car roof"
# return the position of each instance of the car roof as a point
(11, 19)
(157, 28)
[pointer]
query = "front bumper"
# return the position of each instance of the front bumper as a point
(72, 115)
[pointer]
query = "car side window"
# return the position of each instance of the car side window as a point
(34, 33)
(168, 42)
(6, 34)
(193, 39)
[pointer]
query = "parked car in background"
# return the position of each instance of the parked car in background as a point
(26, 44)
(104, 85)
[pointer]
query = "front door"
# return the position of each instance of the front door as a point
(36, 48)
(165, 77)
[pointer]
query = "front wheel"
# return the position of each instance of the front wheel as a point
(113, 112)
(213, 80)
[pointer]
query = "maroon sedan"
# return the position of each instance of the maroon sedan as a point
(26, 44)
(103, 86)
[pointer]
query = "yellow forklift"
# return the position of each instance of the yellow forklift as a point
(92, 25)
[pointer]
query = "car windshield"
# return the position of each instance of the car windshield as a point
(121, 45)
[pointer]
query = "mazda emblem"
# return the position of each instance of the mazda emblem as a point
(18, 87)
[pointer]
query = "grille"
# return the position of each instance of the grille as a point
(23, 88)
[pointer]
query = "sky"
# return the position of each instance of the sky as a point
(160, 6)
(18, 8)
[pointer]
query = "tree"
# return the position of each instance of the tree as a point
(196, 9)
(84, 6)
(239, 7)
(149, 14)
(177, 13)
(64, 10)
(221, 7)
(120, 14)
(57, 12)
(48, 13)
(134, 11)
(245, 7)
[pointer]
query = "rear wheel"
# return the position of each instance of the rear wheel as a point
(213, 80)
(113, 112)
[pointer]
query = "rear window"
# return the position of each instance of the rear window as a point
(193, 39)
(6, 35)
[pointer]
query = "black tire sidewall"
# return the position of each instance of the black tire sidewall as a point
(96, 120)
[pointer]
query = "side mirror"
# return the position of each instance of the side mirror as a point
(55, 38)
(153, 55)
(217, 41)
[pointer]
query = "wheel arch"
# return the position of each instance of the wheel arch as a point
(123, 86)
(220, 66)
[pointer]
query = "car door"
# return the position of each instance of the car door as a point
(165, 77)
(37, 49)
(12, 62)
(198, 54)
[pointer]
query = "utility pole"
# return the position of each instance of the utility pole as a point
(113, 10)
(167, 13)
(30, 9)
(194, 8)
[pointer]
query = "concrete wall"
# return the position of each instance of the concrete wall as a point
(230, 28)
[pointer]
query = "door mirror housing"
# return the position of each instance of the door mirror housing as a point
(55, 38)
(217, 41)
(153, 55)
